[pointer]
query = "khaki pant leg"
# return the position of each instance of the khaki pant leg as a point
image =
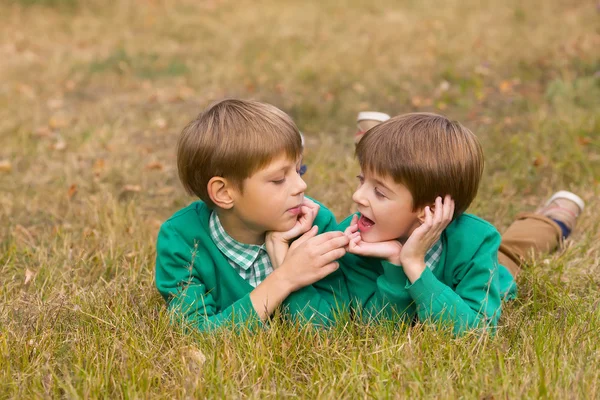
(530, 234)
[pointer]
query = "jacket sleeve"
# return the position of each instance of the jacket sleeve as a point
(179, 282)
(475, 300)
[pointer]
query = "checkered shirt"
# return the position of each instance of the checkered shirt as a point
(433, 255)
(250, 261)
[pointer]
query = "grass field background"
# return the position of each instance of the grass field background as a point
(93, 95)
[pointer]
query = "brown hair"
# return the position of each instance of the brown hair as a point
(233, 139)
(429, 154)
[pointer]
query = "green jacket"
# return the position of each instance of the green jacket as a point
(464, 290)
(198, 283)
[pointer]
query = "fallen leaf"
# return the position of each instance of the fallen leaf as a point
(132, 188)
(359, 87)
(416, 101)
(5, 166)
(29, 275)
(57, 122)
(55, 104)
(328, 96)
(444, 86)
(540, 160)
(155, 165)
(160, 123)
(72, 191)
(60, 145)
(26, 90)
(505, 86)
(70, 85)
(43, 132)
(193, 358)
(131, 255)
(584, 140)
(98, 166)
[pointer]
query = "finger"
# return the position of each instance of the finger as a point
(448, 208)
(428, 217)
(332, 256)
(438, 212)
(327, 269)
(324, 237)
(311, 233)
(332, 244)
(354, 220)
(352, 229)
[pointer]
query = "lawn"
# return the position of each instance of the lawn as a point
(93, 95)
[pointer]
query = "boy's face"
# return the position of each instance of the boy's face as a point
(271, 197)
(386, 209)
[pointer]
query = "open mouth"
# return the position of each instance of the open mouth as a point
(364, 224)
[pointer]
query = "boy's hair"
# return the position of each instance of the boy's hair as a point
(233, 139)
(429, 154)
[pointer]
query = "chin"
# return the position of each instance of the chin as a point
(285, 226)
(375, 237)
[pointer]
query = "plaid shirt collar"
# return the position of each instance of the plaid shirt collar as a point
(251, 261)
(244, 255)
(433, 255)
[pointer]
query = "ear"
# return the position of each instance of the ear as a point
(220, 191)
(421, 212)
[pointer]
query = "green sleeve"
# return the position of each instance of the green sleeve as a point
(179, 281)
(320, 302)
(474, 302)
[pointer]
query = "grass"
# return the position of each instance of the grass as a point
(94, 94)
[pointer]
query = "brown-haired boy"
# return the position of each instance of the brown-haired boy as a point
(242, 159)
(432, 260)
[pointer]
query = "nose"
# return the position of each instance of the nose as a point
(300, 186)
(358, 197)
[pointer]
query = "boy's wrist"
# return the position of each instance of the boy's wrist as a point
(413, 269)
(284, 280)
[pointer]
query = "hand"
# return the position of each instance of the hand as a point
(311, 258)
(308, 213)
(412, 256)
(386, 250)
(277, 243)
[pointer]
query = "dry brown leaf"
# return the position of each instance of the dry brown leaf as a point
(5, 166)
(359, 87)
(43, 132)
(131, 255)
(58, 122)
(55, 104)
(193, 358)
(70, 85)
(132, 188)
(160, 123)
(540, 160)
(29, 275)
(72, 191)
(584, 140)
(98, 166)
(155, 165)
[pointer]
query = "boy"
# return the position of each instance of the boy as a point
(242, 159)
(439, 265)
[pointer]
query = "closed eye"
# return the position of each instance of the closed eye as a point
(379, 194)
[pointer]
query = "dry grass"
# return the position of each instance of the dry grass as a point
(93, 95)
